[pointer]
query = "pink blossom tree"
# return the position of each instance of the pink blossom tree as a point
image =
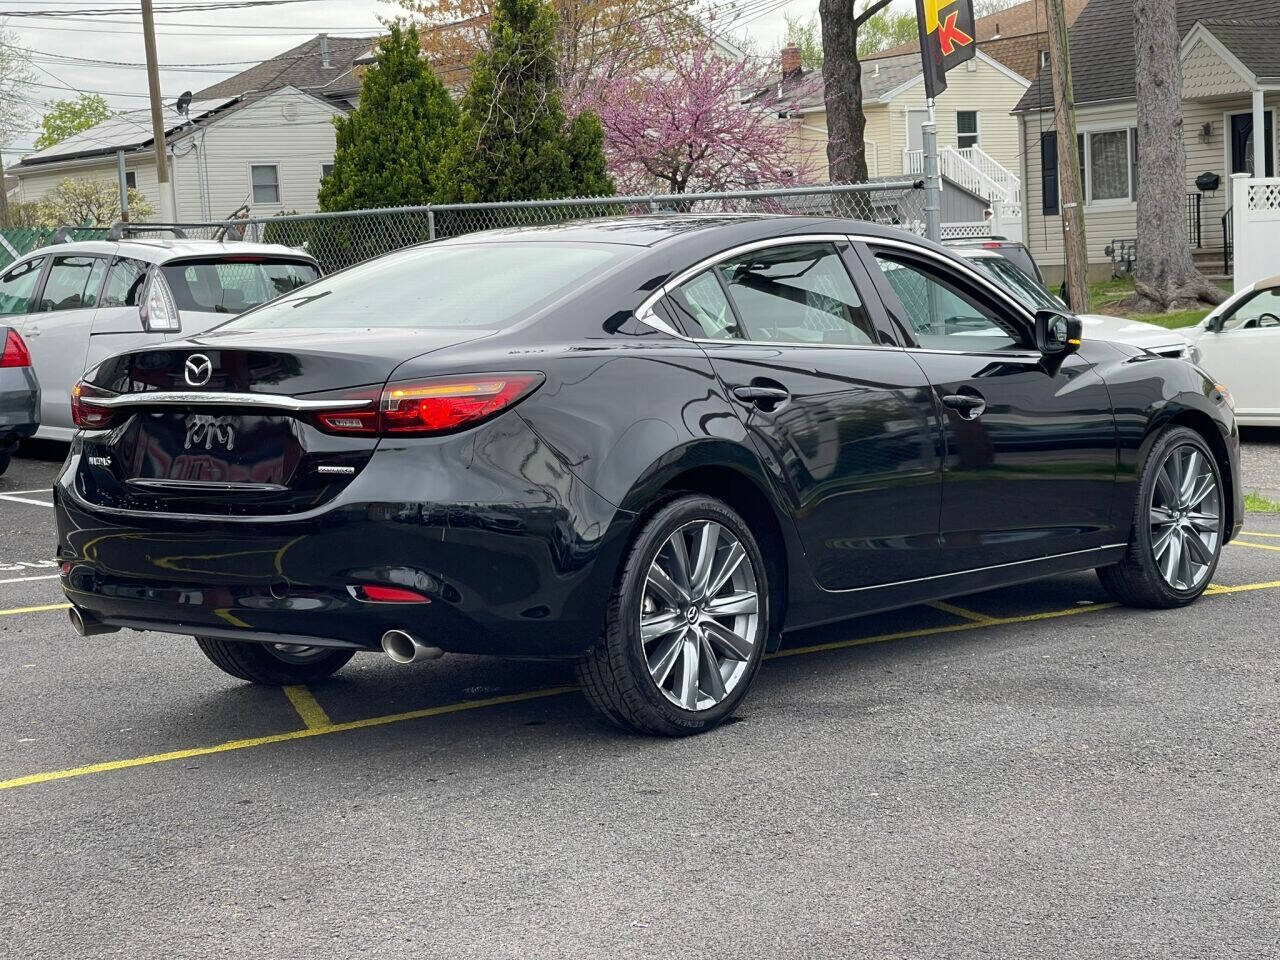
(688, 123)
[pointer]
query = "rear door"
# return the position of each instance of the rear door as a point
(117, 323)
(1030, 450)
(57, 333)
(845, 420)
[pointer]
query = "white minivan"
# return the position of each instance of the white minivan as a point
(77, 303)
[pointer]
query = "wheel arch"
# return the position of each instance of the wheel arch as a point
(1210, 430)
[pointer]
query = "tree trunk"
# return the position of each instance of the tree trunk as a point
(1166, 274)
(842, 79)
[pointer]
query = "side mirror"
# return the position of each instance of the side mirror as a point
(1215, 325)
(1057, 335)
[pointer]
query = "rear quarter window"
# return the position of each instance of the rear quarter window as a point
(234, 285)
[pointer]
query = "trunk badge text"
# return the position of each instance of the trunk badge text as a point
(207, 430)
(198, 369)
(99, 461)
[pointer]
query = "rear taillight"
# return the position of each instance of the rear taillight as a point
(991, 245)
(159, 312)
(16, 353)
(438, 405)
(86, 414)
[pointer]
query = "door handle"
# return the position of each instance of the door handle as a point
(766, 398)
(31, 332)
(969, 405)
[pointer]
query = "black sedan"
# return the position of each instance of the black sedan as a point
(652, 445)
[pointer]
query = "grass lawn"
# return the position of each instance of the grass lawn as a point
(1111, 297)
(1257, 504)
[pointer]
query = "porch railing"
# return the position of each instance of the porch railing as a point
(992, 167)
(1195, 234)
(953, 165)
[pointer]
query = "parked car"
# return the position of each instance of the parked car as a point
(1097, 326)
(19, 395)
(1239, 342)
(1014, 251)
(77, 303)
(652, 445)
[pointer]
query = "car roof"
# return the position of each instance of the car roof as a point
(162, 251)
(647, 230)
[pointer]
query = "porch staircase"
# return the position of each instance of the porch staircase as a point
(974, 170)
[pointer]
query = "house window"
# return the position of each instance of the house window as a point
(325, 170)
(266, 183)
(1044, 59)
(1109, 166)
(966, 128)
(131, 181)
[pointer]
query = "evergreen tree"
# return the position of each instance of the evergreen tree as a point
(389, 147)
(513, 140)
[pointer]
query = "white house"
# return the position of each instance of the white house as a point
(267, 150)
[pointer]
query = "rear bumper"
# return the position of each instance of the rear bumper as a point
(523, 567)
(19, 405)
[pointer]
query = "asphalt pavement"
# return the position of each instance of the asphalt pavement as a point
(1021, 773)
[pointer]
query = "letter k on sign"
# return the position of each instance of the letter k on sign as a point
(950, 36)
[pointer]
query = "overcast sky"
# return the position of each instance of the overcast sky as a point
(247, 36)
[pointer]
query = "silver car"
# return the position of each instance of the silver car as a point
(75, 304)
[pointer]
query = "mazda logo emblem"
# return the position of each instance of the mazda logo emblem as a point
(199, 369)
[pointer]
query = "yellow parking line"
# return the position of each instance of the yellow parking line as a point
(960, 612)
(382, 721)
(1255, 533)
(308, 707)
(1256, 546)
(40, 609)
(278, 738)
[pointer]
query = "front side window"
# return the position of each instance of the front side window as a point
(266, 183)
(966, 128)
(489, 285)
(941, 313)
(1258, 312)
(18, 286)
(124, 284)
(796, 294)
(73, 283)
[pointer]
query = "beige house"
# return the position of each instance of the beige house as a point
(978, 138)
(1231, 87)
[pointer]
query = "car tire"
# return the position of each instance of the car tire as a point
(1178, 526)
(691, 677)
(274, 664)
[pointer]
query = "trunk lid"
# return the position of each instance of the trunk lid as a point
(223, 424)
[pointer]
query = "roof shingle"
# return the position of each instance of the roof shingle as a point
(301, 67)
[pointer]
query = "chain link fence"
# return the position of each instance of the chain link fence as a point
(339, 240)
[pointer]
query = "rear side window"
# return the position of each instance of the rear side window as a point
(233, 285)
(18, 286)
(73, 283)
(124, 284)
(704, 309)
(486, 285)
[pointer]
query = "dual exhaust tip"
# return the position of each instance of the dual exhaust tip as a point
(404, 647)
(399, 645)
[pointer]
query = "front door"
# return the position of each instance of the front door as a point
(1240, 143)
(845, 422)
(916, 120)
(57, 333)
(1243, 354)
(1030, 451)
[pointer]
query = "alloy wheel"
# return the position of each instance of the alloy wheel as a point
(1186, 518)
(699, 615)
(296, 652)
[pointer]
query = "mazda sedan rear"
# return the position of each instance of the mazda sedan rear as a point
(647, 445)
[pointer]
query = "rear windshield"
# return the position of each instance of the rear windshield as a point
(233, 285)
(464, 285)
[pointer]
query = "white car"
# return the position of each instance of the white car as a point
(1239, 344)
(75, 304)
(1097, 326)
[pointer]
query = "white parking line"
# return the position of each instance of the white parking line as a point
(13, 499)
(14, 493)
(51, 576)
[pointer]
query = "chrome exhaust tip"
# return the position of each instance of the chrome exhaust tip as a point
(403, 647)
(87, 625)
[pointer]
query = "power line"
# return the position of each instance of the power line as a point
(81, 12)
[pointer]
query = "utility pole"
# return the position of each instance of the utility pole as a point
(932, 180)
(167, 213)
(1064, 122)
(5, 220)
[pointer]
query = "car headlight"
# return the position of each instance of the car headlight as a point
(1224, 396)
(1192, 353)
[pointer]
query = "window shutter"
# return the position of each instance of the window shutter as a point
(1049, 173)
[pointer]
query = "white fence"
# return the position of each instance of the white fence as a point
(1255, 227)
